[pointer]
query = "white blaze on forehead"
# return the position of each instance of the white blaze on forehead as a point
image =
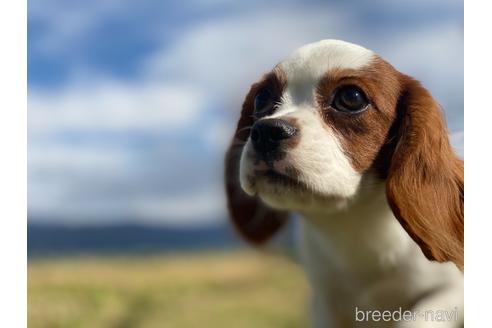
(314, 60)
(308, 64)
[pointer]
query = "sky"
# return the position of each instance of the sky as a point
(131, 104)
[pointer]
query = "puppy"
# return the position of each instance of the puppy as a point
(361, 152)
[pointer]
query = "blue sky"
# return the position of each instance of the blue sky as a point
(131, 104)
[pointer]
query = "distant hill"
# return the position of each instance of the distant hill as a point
(57, 239)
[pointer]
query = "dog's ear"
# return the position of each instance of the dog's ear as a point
(425, 183)
(255, 221)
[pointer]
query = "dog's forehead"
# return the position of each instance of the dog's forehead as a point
(315, 60)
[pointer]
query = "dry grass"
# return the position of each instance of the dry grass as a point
(240, 289)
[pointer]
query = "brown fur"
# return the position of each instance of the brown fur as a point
(254, 220)
(425, 183)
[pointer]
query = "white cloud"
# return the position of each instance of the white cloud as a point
(111, 105)
(60, 156)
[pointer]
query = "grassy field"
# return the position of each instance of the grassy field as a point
(239, 289)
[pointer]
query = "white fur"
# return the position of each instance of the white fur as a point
(353, 249)
(312, 61)
(360, 256)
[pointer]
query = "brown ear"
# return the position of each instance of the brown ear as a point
(254, 220)
(425, 183)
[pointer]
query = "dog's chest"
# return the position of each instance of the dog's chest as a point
(366, 264)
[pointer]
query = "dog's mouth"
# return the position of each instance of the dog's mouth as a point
(278, 179)
(284, 191)
(283, 187)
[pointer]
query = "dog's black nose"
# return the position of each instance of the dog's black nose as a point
(268, 134)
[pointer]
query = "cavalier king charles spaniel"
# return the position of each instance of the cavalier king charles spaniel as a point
(361, 151)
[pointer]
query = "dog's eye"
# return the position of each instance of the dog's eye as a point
(350, 99)
(263, 103)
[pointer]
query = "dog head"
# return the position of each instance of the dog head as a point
(314, 129)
